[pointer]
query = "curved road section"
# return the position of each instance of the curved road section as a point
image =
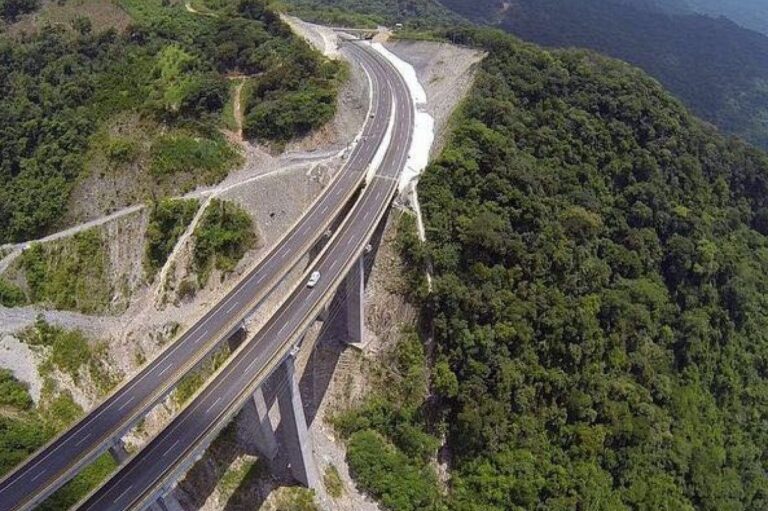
(167, 456)
(60, 460)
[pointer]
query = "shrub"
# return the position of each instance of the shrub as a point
(290, 115)
(223, 237)
(332, 481)
(69, 274)
(70, 352)
(10, 295)
(167, 222)
(120, 150)
(187, 289)
(387, 474)
(13, 392)
(180, 152)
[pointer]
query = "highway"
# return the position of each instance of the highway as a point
(168, 455)
(58, 461)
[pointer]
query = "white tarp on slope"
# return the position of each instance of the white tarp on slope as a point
(424, 130)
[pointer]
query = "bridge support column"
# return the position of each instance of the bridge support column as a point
(119, 452)
(264, 436)
(166, 503)
(355, 302)
(297, 442)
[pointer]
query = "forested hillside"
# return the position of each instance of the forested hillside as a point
(601, 269)
(747, 13)
(600, 264)
(718, 69)
(415, 13)
(63, 85)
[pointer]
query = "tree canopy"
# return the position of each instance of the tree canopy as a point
(61, 85)
(718, 68)
(600, 271)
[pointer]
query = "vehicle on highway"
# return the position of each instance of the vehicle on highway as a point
(313, 279)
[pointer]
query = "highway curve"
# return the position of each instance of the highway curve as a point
(170, 453)
(58, 461)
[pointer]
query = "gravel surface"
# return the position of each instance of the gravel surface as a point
(446, 71)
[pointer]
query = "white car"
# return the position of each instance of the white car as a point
(313, 279)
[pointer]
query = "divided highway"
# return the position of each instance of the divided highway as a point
(61, 459)
(167, 456)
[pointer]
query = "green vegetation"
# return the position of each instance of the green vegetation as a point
(70, 352)
(388, 448)
(599, 261)
(180, 152)
(283, 116)
(12, 9)
(57, 408)
(222, 238)
(228, 119)
(61, 87)
(90, 477)
(121, 150)
(370, 14)
(287, 102)
(293, 498)
(18, 439)
(234, 478)
(11, 295)
(13, 393)
(332, 482)
(167, 222)
(385, 472)
(24, 428)
(192, 381)
(718, 69)
(69, 274)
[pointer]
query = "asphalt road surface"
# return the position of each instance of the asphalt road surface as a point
(57, 462)
(138, 482)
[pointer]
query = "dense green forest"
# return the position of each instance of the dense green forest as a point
(718, 69)
(10, 10)
(600, 265)
(371, 13)
(61, 84)
(752, 14)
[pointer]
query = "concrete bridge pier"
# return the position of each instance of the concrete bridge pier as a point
(264, 433)
(355, 303)
(118, 451)
(284, 443)
(297, 442)
(166, 503)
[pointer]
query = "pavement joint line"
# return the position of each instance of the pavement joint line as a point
(166, 369)
(86, 437)
(171, 447)
(122, 407)
(214, 404)
(123, 494)
(202, 336)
